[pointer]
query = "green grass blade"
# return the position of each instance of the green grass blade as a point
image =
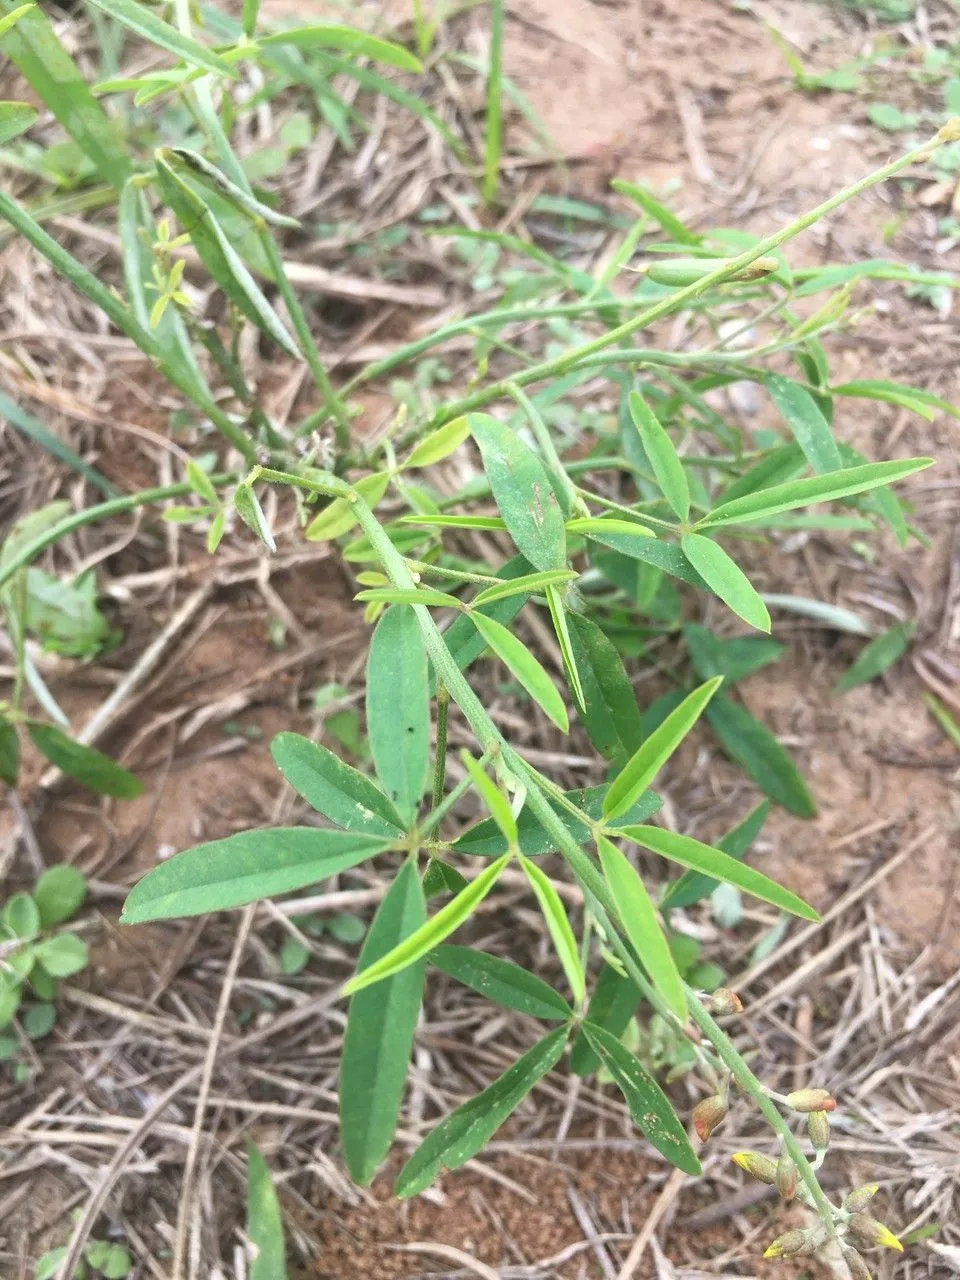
(15, 118)
(145, 23)
(264, 1221)
(34, 430)
(348, 39)
(493, 128)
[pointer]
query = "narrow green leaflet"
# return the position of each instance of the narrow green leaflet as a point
(35, 430)
(241, 200)
(603, 525)
(882, 652)
(32, 45)
(749, 742)
(248, 508)
(522, 491)
(219, 256)
(418, 595)
(639, 919)
(9, 753)
(347, 39)
(429, 935)
(15, 118)
(649, 1106)
(398, 709)
(486, 841)
(800, 493)
(83, 764)
(558, 616)
(774, 468)
(913, 398)
(497, 803)
(381, 1022)
(264, 1221)
(644, 765)
(348, 798)
(666, 464)
(558, 925)
(733, 659)
(145, 23)
(693, 885)
(632, 540)
(529, 584)
(440, 877)
(831, 615)
(713, 862)
(244, 868)
(803, 416)
(467, 1130)
(439, 444)
(463, 639)
(659, 212)
(726, 579)
(433, 521)
(502, 981)
(610, 714)
(614, 1001)
(524, 667)
(339, 516)
(59, 893)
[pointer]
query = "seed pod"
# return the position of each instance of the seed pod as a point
(785, 1246)
(872, 1234)
(811, 1100)
(858, 1268)
(817, 1237)
(860, 1197)
(723, 1001)
(758, 1166)
(684, 271)
(818, 1130)
(787, 1177)
(707, 1114)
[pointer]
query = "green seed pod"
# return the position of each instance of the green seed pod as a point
(707, 1114)
(811, 1100)
(858, 1268)
(818, 1130)
(758, 1166)
(785, 1246)
(860, 1197)
(685, 271)
(787, 1177)
(872, 1234)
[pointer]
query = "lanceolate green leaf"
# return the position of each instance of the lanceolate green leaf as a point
(774, 468)
(523, 492)
(501, 980)
(558, 616)
(398, 709)
(667, 466)
(559, 927)
(219, 256)
(610, 715)
(264, 1221)
(882, 652)
(524, 666)
(726, 579)
(749, 742)
(646, 763)
(486, 841)
(733, 659)
(529, 584)
(339, 516)
(348, 798)
(348, 39)
(83, 764)
(649, 1106)
(419, 595)
(613, 1003)
(913, 398)
(693, 885)
(713, 862)
(32, 45)
(429, 935)
(15, 118)
(145, 23)
(381, 1023)
(639, 919)
(804, 418)
(244, 868)
(803, 492)
(439, 444)
(498, 806)
(619, 536)
(468, 1129)
(463, 639)
(241, 200)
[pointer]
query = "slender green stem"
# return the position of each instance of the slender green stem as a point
(453, 575)
(440, 757)
(494, 122)
(610, 505)
(433, 819)
(545, 441)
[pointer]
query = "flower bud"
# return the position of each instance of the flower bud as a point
(860, 1197)
(724, 1001)
(867, 1231)
(858, 1268)
(787, 1177)
(818, 1130)
(811, 1100)
(758, 1166)
(785, 1246)
(707, 1114)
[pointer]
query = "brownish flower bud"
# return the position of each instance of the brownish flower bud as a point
(707, 1114)
(860, 1197)
(724, 1001)
(818, 1130)
(858, 1268)
(758, 1166)
(872, 1234)
(787, 1177)
(811, 1100)
(785, 1246)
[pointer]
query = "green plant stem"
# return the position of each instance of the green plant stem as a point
(494, 121)
(440, 756)
(103, 511)
(608, 504)
(545, 441)
(433, 819)
(559, 365)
